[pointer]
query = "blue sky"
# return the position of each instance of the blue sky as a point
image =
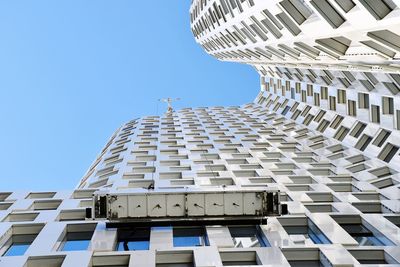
(72, 71)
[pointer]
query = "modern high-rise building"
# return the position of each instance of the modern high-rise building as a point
(209, 186)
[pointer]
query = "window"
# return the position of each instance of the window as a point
(351, 108)
(364, 235)
(341, 94)
(303, 96)
(302, 234)
(49, 261)
(287, 83)
(248, 236)
(372, 256)
(285, 110)
(179, 258)
(381, 138)
(388, 152)
(387, 105)
(298, 88)
(111, 260)
(310, 90)
(358, 129)
(20, 217)
(336, 122)
(320, 208)
(341, 133)
(234, 258)
(292, 93)
(5, 205)
(363, 100)
(316, 99)
(319, 116)
(394, 219)
(322, 126)
(303, 257)
(83, 193)
(189, 236)
(77, 237)
(324, 92)
(332, 103)
(72, 215)
(375, 114)
(133, 239)
(4, 196)
(41, 195)
(22, 236)
(46, 204)
(305, 111)
(18, 248)
(308, 119)
(398, 119)
(363, 142)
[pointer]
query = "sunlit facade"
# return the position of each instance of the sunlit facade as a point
(323, 130)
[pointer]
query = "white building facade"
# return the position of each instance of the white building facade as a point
(323, 130)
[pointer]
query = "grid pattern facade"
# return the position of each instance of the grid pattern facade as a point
(324, 130)
(350, 48)
(327, 185)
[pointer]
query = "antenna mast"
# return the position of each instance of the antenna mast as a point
(169, 101)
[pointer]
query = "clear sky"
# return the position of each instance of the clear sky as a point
(72, 71)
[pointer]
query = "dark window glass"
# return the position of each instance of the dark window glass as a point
(377, 261)
(307, 263)
(133, 239)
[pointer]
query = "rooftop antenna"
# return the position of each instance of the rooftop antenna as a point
(169, 101)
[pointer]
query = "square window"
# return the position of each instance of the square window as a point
(20, 239)
(77, 237)
(133, 239)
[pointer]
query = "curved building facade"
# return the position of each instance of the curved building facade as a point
(323, 130)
